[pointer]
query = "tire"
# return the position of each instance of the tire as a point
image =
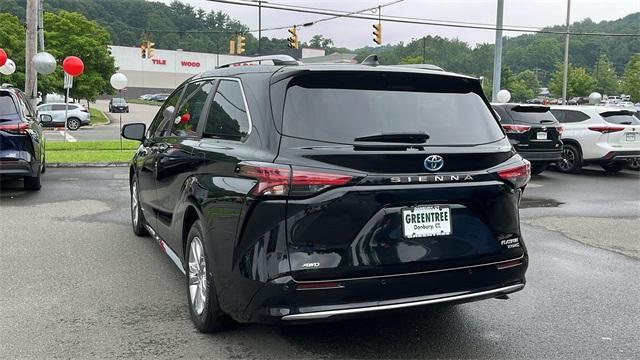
(537, 169)
(32, 183)
(137, 217)
(571, 160)
(614, 166)
(73, 124)
(634, 164)
(202, 297)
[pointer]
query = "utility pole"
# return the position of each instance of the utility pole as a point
(259, 27)
(565, 75)
(31, 47)
(497, 57)
(424, 49)
(41, 24)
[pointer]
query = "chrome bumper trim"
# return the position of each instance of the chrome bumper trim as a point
(330, 313)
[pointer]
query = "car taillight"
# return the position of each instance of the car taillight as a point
(84, 110)
(560, 129)
(19, 128)
(282, 180)
(515, 129)
(605, 129)
(518, 175)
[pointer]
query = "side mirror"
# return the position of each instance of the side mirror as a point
(45, 118)
(134, 131)
(168, 112)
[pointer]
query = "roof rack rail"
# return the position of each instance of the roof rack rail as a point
(371, 60)
(276, 59)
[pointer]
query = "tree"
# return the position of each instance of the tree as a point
(411, 60)
(72, 34)
(605, 76)
(320, 42)
(579, 82)
(631, 78)
(12, 41)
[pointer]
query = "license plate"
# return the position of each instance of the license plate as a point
(542, 135)
(632, 136)
(426, 221)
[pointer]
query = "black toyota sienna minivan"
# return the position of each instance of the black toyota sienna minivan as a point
(291, 193)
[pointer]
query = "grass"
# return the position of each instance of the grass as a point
(97, 117)
(90, 151)
(144, 102)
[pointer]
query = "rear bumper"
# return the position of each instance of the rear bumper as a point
(542, 156)
(618, 156)
(281, 301)
(15, 169)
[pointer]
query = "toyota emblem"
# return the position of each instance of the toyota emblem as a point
(433, 162)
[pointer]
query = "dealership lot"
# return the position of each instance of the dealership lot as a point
(77, 283)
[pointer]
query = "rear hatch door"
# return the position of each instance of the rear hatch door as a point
(624, 129)
(535, 128)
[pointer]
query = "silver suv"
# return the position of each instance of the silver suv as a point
(77, 115)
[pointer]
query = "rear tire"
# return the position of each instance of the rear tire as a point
(634, 164)
(73, 124)
(201, 292)
(137, 217)
(537, 169)
(614, 166)
(571, 160)
(32, 183)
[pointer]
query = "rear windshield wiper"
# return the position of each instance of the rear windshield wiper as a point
(410, 138)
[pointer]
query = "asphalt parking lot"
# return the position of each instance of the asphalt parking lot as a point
(76, 283)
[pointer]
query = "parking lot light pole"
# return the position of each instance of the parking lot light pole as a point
(497, 57)
(565, 74)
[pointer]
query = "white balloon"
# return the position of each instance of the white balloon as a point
(595, 98)
(503, 96)
(119, 81)
(8, 68)
(44, 63)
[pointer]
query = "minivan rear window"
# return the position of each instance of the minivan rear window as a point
(620, 117)
(339, 107)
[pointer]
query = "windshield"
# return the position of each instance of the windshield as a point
(620, 118)
(341, 107)
(119, 101)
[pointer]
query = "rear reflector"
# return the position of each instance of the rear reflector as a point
(19, 128)
(605, 129)
(319, 285)
(518, 175)
(508, 264)
(515, 129)
(281, 180)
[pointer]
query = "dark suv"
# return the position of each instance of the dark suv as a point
(293, 193)
(534, 132)
(21, 139)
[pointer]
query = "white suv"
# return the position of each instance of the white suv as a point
(606, 136)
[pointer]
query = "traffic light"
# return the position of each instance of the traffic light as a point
(293, 39)
(240, 49)
(232, 45)
(150, 49)
(143, 50)
(377, 33)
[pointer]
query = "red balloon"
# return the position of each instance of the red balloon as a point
(3, 57)
(73, 65)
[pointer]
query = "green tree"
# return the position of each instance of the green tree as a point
(605, 76)
(411, 60)
(72, 34)
(631, 78)
(12, 41)
(320, 42)
(579, 82)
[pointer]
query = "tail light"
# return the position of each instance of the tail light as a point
(560, 129)
(282, 180)
(518, 175)
(605, 129)
(515, 129)
(19, 128)
(84, 110)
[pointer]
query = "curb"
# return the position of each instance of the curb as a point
(89, 165)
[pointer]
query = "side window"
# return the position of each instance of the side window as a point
(188, 115)
(159, 123)
(558, 114)
(504, 117)
(45, 108)
(60, 107)
(227, 118)
(25, 107)
(572, 116)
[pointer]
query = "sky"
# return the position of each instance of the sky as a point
(356, 33)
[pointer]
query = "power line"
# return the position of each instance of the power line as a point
(415, 21)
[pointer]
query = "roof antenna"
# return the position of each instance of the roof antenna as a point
(371, 60)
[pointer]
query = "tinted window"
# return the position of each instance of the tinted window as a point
(61, 107)
(44, 108)
(227, 116)
(569, 116)
(620, 117)
(504, 117)
(531, 114)
(188, 115)
(118, 101)
(159, 123)
(339, 108)
(25, 106)
(7, 107)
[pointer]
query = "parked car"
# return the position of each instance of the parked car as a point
(159, 97)
(533, 132)
(609, 137)
(145, 97)
(22, 153)
(283, 204)
(77, 115)
(118, 105)
(578, 100)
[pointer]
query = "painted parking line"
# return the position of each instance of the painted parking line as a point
(69, 138)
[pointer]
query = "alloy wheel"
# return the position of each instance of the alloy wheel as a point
(568, 160)
(134, 203)
(73, 124)
(197, 276)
